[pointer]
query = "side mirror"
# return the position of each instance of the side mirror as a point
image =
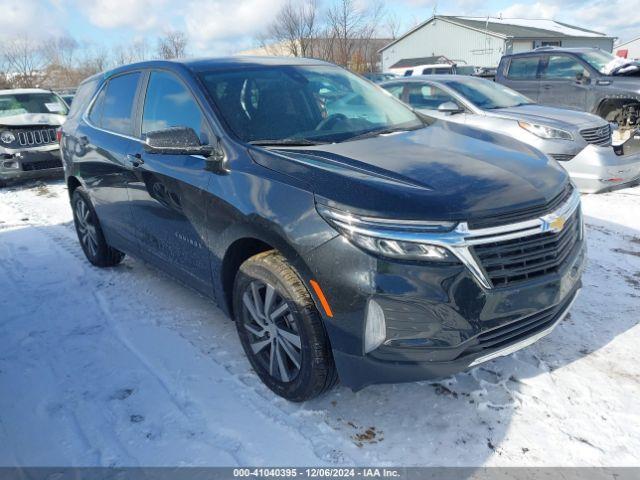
(175, 141)
(184, 141)
(450, 107)
(582, 79)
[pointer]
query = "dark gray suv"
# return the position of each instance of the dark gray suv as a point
(586, 79)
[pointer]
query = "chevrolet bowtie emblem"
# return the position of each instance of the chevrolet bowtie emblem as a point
(558, 224)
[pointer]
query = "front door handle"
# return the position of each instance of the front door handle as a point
(135, 160)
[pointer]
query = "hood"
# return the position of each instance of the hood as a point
(622, 67)
(443, 172)
(29, 119)
(551, 116)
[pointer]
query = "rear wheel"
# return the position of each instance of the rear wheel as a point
(92, 240)
(281, 330)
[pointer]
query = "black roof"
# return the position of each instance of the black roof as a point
(412, 62)
(204, 64)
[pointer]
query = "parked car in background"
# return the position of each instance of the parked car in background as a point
(29, 119)
(68, 98)
(366, 244)
(586, 79)
(580, 141)
(379, 77)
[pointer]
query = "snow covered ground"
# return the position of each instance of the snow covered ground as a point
(125, 367)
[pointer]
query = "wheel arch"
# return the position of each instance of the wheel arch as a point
(241, 246)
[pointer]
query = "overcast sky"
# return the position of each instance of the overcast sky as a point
(220, 27)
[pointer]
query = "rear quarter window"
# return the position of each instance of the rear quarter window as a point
(523, 68)
(82, 98)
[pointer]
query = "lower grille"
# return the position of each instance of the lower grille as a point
(525, 258)
(43, 165)
(514, 332)
(598, 135)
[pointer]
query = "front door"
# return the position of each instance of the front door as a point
(168, 196)
(563, 82)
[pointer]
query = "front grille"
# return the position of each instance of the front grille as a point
(598, 135)
(42, 165)
(525, 258)
(518, 330)
(34, 136)
(562, 157)
(523, 214)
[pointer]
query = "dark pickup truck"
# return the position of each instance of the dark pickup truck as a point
(587, 79)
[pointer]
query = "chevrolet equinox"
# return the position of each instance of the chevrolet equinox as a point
(348, 236)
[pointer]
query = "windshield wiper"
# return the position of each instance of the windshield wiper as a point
(382, 131)
(292, 142)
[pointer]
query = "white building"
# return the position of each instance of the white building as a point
(630, 49)
(481, 42)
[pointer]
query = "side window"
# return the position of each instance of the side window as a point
(408, 73)
(95, 115)
(523, 68)
(395, 90)
(169, 103)
(427, 96)
(83, 96)
(117, 104)
(562, 67)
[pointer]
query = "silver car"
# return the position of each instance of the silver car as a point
(580, 141)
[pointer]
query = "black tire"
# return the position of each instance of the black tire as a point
(316, 372)
(90, 235)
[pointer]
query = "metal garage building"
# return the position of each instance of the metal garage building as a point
(482, 41)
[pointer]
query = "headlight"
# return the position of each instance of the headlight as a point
(543, 131)
(391, 238)
(7, 137)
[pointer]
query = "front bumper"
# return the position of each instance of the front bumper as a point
(598, 169)
(440, 318)
(30, 163)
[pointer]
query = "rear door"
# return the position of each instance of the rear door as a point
(169, 192)
(100, 145)
(522, 74)
(560, 85)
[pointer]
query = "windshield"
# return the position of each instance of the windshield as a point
(19, 103)
(488, 95)
(604, 62)
(300, 103)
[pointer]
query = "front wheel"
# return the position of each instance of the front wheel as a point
(281, 330)
(92, 240)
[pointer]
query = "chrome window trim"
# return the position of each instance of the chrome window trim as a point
(459, 240)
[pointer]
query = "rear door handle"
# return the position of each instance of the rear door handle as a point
(135, 160)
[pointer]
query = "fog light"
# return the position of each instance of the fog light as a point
(12, 165)
(376, 329)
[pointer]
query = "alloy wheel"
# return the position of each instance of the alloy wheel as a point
(86, 227)
(273, 331)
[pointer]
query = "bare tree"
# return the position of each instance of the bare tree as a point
(352, 30)
(294, 30)
(138, 51)
(393, 25)
(172, 44)
(25, 61)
